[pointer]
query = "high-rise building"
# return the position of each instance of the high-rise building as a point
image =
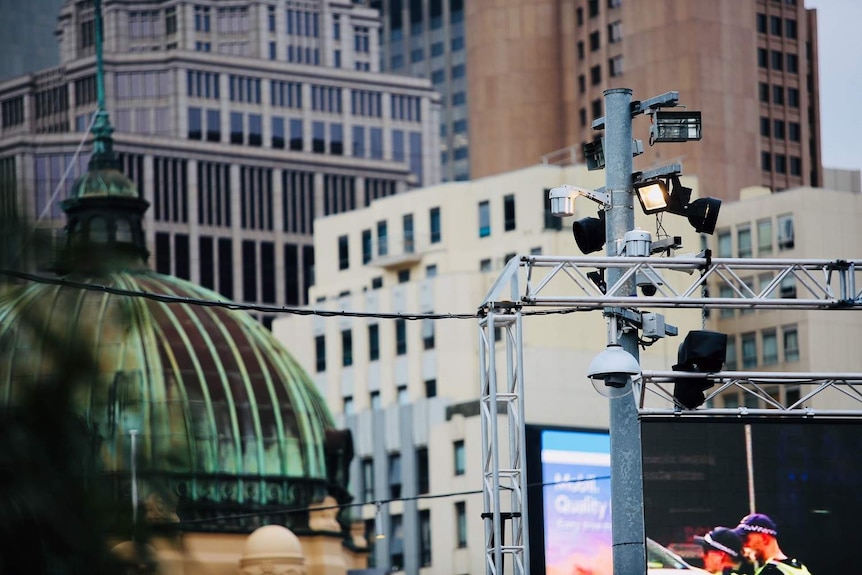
(536, 71)
(240, 124)
(426, 39)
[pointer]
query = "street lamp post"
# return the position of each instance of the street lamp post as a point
(629, 546)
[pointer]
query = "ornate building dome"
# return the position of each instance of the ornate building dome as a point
(200, 400)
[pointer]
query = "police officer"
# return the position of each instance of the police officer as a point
(759, 535)
(722, 553)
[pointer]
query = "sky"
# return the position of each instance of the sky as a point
(840, 81)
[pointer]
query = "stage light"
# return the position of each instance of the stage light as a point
(702, 214)
(590, 233)
(653, 196)
(701, 352)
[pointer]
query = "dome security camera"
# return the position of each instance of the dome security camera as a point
(615, 366)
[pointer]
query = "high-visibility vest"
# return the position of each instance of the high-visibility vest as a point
(783, 567)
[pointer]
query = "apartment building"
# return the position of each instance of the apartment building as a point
(803, 223)
(409, 390)
(240, 124)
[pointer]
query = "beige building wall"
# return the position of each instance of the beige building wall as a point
(799, 224)
(707, 51)
(558, 348)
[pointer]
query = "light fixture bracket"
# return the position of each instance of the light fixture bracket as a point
(563, 199)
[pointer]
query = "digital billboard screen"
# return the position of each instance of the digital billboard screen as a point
(698, 474)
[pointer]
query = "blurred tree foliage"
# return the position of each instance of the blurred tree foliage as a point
(53, 517)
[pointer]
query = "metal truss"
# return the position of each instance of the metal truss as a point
(815, 284)
(575, 284)
(757, 385)
(506, 540)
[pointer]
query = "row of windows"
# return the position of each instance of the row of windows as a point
(346, 339)
(769, 232)
(593, 9)
(216, 266)
(776, 129)
(768, 347)
(780, 166)
(776, 60)
(244, 89)
(133, 85)
(285, 94)
(777, 93)
(12, 112)
(418, 54)
(382, 248)
(776, 26)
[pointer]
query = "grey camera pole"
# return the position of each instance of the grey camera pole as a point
(629, 546)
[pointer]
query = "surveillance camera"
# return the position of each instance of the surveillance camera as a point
(648, 290)
(615, 366)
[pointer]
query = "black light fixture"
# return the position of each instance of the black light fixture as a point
(701, 352)
(653, 196)
(594, 154)
(702, 213)
(590, 233)
(675, 126)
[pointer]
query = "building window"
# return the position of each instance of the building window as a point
(778, 95)
(422, 471)
(596, 75)
(775, 25)
(237, 135)
(595, 41)
(431, 271)
(593, 8)
(582, 87)
(724, 245)
(793, 131)
(615, 32)
(596, 107)
(795, 166)
(769, 343)
(749, 351)
(361, 39)
(793, 97)
(792, 64)
(396, 543)
(343, 253)
(764, 126)
(366, 246)
(484, 219)
(778, 130)
(615, 66)
(402, 395)
(461, 524)
(320, 353)
(318, 137)
(725, 292)
(400, 336)
(436, 231)
(382, 243)
(791, 343)
(367, 465)
(780, 163)
(761, 23)
(777, 60)
(424, 536)
(763, 91)
(407, 228)
(765, 161)
(373, 342)
(787, 289)
(485, 265)
(509, 212)
(376, 283)
(428, 334)
(764, 237)
(346, 348)
(743, 242)
(786, 239)
(790, 28)
(394, 475)
(430, 388)
(460, 461)
(763, 57)
(580, 50)
(730, 358)
(403, 276)
(348, 405)
(375, 401)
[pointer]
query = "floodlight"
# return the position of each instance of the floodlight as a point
(671, 126)
(701, 352)
(594, 154)
(653, 196)
(590, 233)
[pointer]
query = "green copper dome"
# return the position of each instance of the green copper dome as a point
(103, 182)
(223, 416)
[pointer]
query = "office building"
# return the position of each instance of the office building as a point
(535, 73)
(409, 390)
(240, 124)
(28, 41)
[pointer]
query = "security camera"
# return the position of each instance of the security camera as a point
(615, 366)
(648, 290)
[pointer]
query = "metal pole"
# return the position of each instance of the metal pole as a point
(629, 547)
